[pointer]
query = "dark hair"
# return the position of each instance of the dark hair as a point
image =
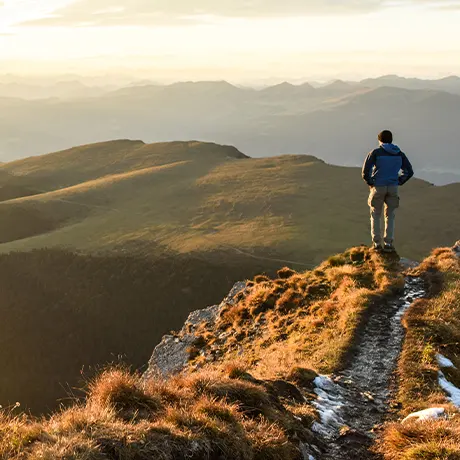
(386, 137)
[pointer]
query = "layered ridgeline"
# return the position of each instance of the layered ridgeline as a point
(252, 384)
(337, 122)
(107, 247)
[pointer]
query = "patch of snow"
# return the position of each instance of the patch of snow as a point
(324, 383)
(450, 389)
(444, 362)
(428, 414)
(329, 404)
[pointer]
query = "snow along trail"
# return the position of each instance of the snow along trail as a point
(353, 402)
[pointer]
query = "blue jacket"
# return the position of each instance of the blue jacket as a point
(384, 165)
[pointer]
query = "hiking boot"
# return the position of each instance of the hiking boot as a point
(377, 247)
(389, 248)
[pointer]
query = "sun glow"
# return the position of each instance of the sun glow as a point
(414, 40)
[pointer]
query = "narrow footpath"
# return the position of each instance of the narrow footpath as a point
(359, 397)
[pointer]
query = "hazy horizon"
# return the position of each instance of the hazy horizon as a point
(238, 41)
(112, 78)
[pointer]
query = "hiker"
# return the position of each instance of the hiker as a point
(384, 170)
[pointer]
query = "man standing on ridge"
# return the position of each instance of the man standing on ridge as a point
(382, 172)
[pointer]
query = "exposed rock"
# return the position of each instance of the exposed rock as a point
(172, 354)
(456, 248)
(210, 314)
(200, 316)
(236, 289)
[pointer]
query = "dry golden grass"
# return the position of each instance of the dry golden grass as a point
(433, 440)
(232, 409)
(201, 416)
(433, 326)
(304, 319)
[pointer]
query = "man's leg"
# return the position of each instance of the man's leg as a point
(391, 205)
(376, 201)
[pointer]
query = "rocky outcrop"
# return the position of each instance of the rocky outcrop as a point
(171, 356)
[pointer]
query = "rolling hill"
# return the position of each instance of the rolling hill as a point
(187, 196)
(106, 247)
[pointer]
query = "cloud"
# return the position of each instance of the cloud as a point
(155, 12)
(145, 12)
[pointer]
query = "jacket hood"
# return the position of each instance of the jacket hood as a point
(391, 148)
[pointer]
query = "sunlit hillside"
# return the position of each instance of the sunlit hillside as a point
(194, 196)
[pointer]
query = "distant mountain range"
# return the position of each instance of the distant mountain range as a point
(337, 122)
(450, 84)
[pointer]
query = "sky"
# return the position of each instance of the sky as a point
(237, 40)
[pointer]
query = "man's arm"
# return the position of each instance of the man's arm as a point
(407, 170)
(368, 168)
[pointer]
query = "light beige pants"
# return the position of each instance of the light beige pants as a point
(379, 198)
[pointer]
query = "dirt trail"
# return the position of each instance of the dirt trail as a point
(359, 396)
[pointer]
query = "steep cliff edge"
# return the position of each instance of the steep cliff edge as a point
(308, 318)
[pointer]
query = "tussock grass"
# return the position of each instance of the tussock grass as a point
(433, 327)
(306, 319)
(118, 390)
(434, 440)
(125, 417)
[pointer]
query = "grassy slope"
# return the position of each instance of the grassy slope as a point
(300, 319)
(433, 326)
(93, 161)
(221, 410)
(193, 196)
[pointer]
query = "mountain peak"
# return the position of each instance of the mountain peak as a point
(287, 89)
